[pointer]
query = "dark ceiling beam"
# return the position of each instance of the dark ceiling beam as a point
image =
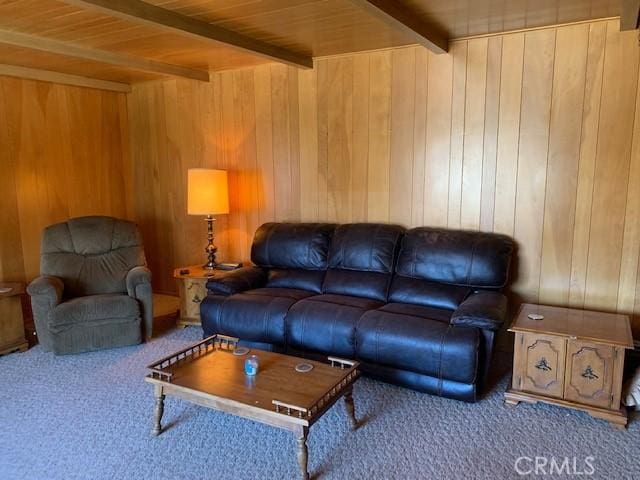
(629, 13)
(49, 45)
(397, 17)
(147, 14)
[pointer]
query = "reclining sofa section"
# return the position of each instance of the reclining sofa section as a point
(418, 307)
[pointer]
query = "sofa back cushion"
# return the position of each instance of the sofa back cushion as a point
(92, 255)
(361, 260)
(295, 254)
(438, 267)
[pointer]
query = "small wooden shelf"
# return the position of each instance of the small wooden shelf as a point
(12, 336)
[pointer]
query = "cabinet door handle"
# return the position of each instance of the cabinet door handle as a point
(589, 373)
(543, 365)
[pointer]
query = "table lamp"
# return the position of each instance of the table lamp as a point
(208, 194)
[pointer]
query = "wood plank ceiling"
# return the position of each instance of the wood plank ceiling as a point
(129, 41)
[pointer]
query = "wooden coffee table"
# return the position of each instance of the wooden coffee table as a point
(208, 373)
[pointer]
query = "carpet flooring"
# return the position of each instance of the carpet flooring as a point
(89, 417)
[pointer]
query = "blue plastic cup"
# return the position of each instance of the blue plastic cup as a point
(251, 365)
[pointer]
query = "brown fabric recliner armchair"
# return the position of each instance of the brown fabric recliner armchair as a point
(94, 291)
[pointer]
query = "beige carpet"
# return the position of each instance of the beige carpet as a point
(89, 416)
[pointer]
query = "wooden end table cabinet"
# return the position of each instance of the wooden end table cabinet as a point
(192, 288)
(11, 320)
(572, 358)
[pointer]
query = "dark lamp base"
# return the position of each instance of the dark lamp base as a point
(210, 249)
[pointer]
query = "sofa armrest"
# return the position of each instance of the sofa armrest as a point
(237, 281)
(48, 288)
(487, 310)
(139, 287)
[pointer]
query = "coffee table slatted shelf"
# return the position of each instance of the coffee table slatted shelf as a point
(208, 373)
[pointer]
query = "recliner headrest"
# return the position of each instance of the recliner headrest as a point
(93, 235)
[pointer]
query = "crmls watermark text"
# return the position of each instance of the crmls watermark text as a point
(554, 466)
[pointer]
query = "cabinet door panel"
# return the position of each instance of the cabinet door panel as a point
(192, 293)
(540, 364)
(11, 323)
(589, 375)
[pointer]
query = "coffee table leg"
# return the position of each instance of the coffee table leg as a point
(351, 410)
(303, 454)
(157, 424)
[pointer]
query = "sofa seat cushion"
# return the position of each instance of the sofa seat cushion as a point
(310, 280)
(346, 301)
(327, 323)
(439, 314)
(292, 293)
(429, 294)
(429, 346)
(255, 315)
(106, 308)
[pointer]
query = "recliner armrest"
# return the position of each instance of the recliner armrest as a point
(138, 282)
(237, 281)
(135, 277)
(47, 287)
(487, 310)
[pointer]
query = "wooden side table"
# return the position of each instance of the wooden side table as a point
(11, 321)
(571, 358)
(192, 288)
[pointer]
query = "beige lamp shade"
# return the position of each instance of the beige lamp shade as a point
(208, 193)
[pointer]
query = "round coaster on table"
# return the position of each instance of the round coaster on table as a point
(535, 316)
(304, 367)
(241, 351)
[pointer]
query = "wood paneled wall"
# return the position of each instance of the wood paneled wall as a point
(63, 153)
(532, 134)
